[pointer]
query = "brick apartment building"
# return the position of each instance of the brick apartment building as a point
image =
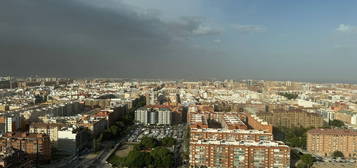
(198, 121)
(12, 158)
(324, 142)
(232, 122)
(243, 140)
(229, 135)
(257, 123)
(239, 154)
(37, 146)
(292, 118)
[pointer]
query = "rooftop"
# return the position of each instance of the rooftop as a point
(324, 131)
(242, 131)
(240, 143)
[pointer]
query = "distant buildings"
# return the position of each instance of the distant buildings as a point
(324, 142)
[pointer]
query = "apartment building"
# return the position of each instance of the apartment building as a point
(243, 140)
(324, 142)
(198, 121)
(229, 135)
(257, 123)
(239, 154)
(292, 118)
(159, 116)
(37, 146)
(164, 116)
(232, 122)
(141, 115)
(346, 116)
(50, 129)
(12, 158)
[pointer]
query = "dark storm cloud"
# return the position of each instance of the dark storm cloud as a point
(73, 38)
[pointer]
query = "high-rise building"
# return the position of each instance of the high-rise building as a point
(161, 116)
(141, 115)
(164, 116)
(324, 142)
(153, 116)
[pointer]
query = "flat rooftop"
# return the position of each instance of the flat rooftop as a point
(240, 143)
(242, 131)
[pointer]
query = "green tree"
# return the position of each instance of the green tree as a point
(114, 130)
(162, 157)
(149, 142)
(337, 123)
(289, 95)
(168, 141)
(137, 159)
(295, 137)
(307, 159)
(337, 154)
(301, 165)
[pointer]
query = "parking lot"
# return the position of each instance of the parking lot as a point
(157, 132)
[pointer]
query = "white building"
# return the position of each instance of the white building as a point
(141, 115)
(164, 116)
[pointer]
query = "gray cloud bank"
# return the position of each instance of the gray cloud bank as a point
(77, 39)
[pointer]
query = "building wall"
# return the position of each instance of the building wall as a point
(347, 118)
(31, 144)
(291, 119)
(51, 131)
(258, 123)
(204, 135)
(325, 144)
(239, 156)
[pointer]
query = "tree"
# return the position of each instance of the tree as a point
(149, 142)
(39, 99)
(114, 130)
(301, 165)
(295, 137)
(337, 154)
(162, 157)
(137, 159)
(168, 141)
(289, 95)
(337, 123)
(307, 159)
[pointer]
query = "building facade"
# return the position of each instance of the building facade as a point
(239, 154)
(324, 142)
(292, 118)
(37, 146)
(160, 116)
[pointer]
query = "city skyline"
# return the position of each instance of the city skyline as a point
(270, 40)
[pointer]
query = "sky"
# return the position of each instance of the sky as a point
(174, 39)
